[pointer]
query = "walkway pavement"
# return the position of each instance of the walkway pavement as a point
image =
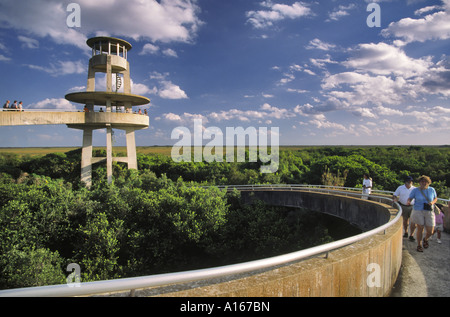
(427, 273)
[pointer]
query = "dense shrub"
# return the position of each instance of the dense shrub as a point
(159, 220)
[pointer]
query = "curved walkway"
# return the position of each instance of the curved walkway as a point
(427, 273)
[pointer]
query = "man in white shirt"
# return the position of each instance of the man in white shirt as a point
(367, 186)
(401, 196)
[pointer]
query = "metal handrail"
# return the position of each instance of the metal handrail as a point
(271, 186)
(134, 283)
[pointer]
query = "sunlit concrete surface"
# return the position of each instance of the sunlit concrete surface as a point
(12, 118)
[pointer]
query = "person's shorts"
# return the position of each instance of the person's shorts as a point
(406, 210)
(423, 217)
(439, 226)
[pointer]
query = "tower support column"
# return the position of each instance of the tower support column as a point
(86, 157)
(131, 148)
(109, 154)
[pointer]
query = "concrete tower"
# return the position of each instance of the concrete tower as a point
(114, 109)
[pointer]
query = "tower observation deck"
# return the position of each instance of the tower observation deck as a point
(109, 55)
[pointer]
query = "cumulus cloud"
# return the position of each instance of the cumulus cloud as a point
(4, 58)
(171, 91)
(41, 18)
(165, 21)
(320, 45)
(167, 89)
(185, 119)
(53, 103)
(435, 26)
(266, 112)
(276, 12)
(151, 49)
(361, 89)
(28, 42)
(385, 59)
(382, 74)
(60, 68)
(340, 12)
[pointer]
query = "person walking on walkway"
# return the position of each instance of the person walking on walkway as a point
(422, 214)
(401, 196)
(367, 186)
(439, 226)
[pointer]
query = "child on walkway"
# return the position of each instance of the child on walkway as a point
(439, 223)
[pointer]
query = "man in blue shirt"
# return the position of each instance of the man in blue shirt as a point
(423, 214)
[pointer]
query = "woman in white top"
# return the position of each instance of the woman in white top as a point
(367, 186)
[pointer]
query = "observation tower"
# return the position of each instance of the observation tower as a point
(108, 109)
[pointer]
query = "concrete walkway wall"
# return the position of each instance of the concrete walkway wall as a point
(366, 268)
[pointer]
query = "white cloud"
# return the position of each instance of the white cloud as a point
(320, 45)
(276, 12)
(310, 72)
(384, 111)
(41, 18)
(341, 11)
(385, 59)
(299, 91)
(266, 112)
(171, 91)
(167, 89)
(170, 52)
(28, 42)
(141, 89)
(426, 10)
(277, 113)
(382, 74)
(435, 26)
(289, 76)
(165, 20)
(327, 125)
(322, 62)
(149, 49)
(53, 103)
(286, 79)
(364, 89)
(4, 58)
(172, 117)
(61, 68)
(184, 119)
(363, 112)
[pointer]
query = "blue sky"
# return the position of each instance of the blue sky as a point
(314, 69)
